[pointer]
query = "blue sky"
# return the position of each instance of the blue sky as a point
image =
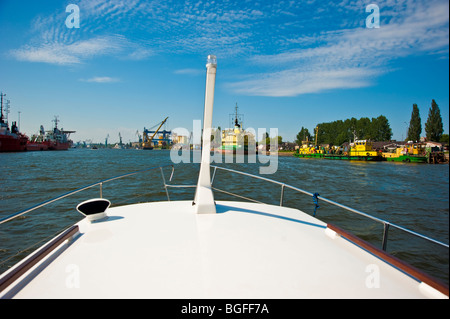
(287, 64)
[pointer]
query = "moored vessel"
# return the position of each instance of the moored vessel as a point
(36, 142)
(359, 150)
(11, 140)
(409, 153)
(237, 140)
(57, 139)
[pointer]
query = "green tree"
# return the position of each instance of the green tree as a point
(277, 140)
(415, 125)
(338, 132)
(303, 135)
(434, 127)
(381, 130)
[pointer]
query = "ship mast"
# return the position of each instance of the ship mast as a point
(236, 117)
(1, 107)
(56, 121)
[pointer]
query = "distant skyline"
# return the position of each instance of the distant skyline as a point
(106, 67)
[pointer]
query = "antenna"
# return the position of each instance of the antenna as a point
(1, 106)
(236, 119)
(7, 110)
(56, 121)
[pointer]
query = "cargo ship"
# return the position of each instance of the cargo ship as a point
(36, 142)
(11, 140)
(56, 139)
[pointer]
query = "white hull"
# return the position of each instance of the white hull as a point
(245, 250)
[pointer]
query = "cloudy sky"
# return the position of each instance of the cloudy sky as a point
(287, 64)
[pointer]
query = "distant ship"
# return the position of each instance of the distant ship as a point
(237, 140)
(36, 142)
(11, 140)
(57, 139)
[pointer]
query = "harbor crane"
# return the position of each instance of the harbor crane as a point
(139, 137)
(147, 141)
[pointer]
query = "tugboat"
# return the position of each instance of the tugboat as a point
(10, 140)
(363, 150)
(410, 153)
(360, 150)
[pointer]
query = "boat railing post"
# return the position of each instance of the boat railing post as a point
(385, 235)
(165, 185)
(282, 194)
(171, 174)
(214, 175)
(101, 189)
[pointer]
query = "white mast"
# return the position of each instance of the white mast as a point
(204, 198)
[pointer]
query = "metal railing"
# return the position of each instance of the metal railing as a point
(386, 224)
(100, 184)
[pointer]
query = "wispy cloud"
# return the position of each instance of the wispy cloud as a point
(137, 30)
(101, 79)
(350, 58)
(71, 53)
(189, 71)
(293, 47)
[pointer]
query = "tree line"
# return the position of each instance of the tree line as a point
(434, 127)
(375, 129)
(339, 132)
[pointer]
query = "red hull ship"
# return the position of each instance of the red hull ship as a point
(10, 140)
(55, 140)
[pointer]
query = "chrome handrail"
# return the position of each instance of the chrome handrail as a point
(99, 183)
(386, 224)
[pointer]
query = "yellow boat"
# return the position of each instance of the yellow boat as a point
(363, 148)
(413, 152)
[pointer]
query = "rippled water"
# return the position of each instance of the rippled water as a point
(415, 196)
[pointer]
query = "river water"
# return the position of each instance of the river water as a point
(415, 196)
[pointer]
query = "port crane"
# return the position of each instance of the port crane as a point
(139, 137)
(147, 141)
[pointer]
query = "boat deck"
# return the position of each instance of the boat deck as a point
(246, 250)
